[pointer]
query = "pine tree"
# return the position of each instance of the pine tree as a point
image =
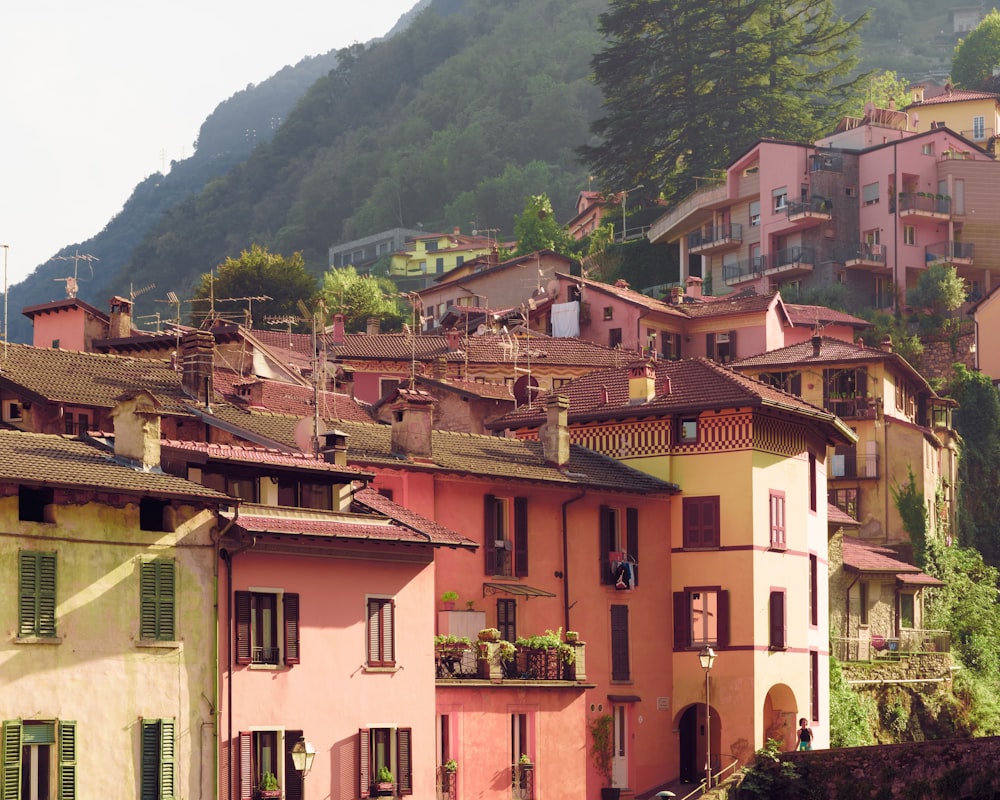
(690, 84)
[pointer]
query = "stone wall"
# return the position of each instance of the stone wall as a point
(941, 352)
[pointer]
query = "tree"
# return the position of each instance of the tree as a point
(359, 297)
(978, 54)
(256, 273)
(880, 88)
(537, 229)
(938, 291)
(689, 84)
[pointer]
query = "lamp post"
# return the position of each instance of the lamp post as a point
(707, 658)
(303, 754)
(625, 194)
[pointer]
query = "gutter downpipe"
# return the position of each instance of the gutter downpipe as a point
(227, 556)
(565, 557)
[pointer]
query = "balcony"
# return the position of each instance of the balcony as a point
(910, 642)
(852, 407)
(826, 162)
(746, 269)
(712, 193)
(923, 205)
(867, 256)
(715, 238)
(853, 466)
(812, 211)
(459, 659)
(955, 253)
(790, 262)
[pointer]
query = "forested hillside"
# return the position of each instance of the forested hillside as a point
(452, 121)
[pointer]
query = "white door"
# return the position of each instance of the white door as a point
(619, 770)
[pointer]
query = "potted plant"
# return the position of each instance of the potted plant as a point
(572, 637)
(524, 768)
(268, 786)
(602, 752)
(451, 765)
(489, 635)
(383, 781)
(448, 600)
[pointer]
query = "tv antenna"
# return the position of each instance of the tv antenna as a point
(175, 301)
(73, 283)
(134, 293)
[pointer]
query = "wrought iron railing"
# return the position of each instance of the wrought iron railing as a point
(910, 642)
(731, 232)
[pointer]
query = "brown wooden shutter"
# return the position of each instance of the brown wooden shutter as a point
(607, 544)
(292, 653)
(682, 621)
(241, 603)
(364, 762)
(732, 346)
(723, 626)
(619, 643)
(404, 760)
(710, 345)
(797, 384)
(293, 778)
(507, 619)
(246, 765)
(374, 633)
(490, 533)
(521, 537)
(776, 611)
(632, 541)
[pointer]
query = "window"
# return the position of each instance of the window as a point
(439, 265)
(790, 382)
(776, 616)
(13, 411)
(978, 128)
(615, 337)
(243, 486)
(268, 751)
(850, 191)
(813, 590)
(507, 619)
(152, 514)
(609, 312)
(267, 623)
(157, 599)
(506, 545)
(39, 758)
(157, 763)
(34, 505)
(927, 149)
(387, 386)
(906, 606)
(909, 234)
(780, 197)
(77, 426)
(522, 779)
(701, 617)
(304, 494)
(863, 602)
(381, 624)
(754, 213)
(620, 670)
(813, 482)
(701, 522)
(814, 684)
(619, 554)
(777, 501)
(385, 747)
(869, 194)
(687, 430)
(36, 608)
(721, 347)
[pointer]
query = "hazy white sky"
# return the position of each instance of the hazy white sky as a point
(95, 96)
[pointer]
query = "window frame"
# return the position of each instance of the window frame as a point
(158, 599)
(505, 519)
(400, 760)
(157, 754)
(778, 530)
(616, 537)
(780, 199)
(621, 669)
(777, 616)
(63, 748)
(37, 588)
(380, 632)
(684, 625)
(246, 628)
(250, 770)
(701, 522)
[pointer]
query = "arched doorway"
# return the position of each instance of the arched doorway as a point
(691, 727)
(779, 718)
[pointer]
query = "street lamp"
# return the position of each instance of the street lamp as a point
(624, 198)
(303, 754)
(707, 658)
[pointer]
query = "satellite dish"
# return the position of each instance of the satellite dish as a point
(305, 432)
(481, 330)
(552, 288)
(525, 390)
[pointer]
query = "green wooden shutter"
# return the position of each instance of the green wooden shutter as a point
(11, 786)
(37, 594)
(149, 783)
(168, 756)
(158, 599)
(67, 760)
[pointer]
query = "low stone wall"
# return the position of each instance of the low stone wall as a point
(926, 666)
(940, 353)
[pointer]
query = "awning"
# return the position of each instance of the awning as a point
(624, 698)
(516, 589)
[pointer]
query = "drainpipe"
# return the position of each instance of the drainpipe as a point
(847, 602)
(565, 557)
(227, 556)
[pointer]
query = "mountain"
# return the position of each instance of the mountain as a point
(466, 108)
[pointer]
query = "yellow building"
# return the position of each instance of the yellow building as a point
(437, 253)
(973, 114)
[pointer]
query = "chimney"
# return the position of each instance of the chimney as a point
(337, 335)
(137, 430)
(676, 295)
(374, 326)
(454, 339)
(457, 231)
(667, 388)
(197, 354)
(693, 284)
(555, 432)
(412, 422)
(439, 370)
(251, 392)
(121, 318)
(817, 342)
(641, 382)
(918, 94)
(335, 448)
(886, 343)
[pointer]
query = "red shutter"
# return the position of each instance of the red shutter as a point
(246, 765)
(490, 533)
(242, 604)
(632, 541)
(701, 521)
(723, 626)
(607, 544)
(292, 654)
(292, 778)
(682, 621)
(364, 763)
(404, 759)
(521, 537)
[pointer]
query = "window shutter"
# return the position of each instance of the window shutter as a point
(732, 345)
(404, 766)
(632, 541)
(701, 521)
(11, 786)
(507, 619)
(797, 384)
(67, 760)
(149, 784)
(723, 626)
(389, 630)
(47, 594)
(521, 537)
(490, 533)
(364, 762)
(777, 619)
(710, 345)
(168, 753)
(682, 621)
(293, 778)
(292, 655)
(246, 766)
(157, 590)
(619, 643)
(37, 595)
(373, 632)
(607, 544)
(242, 633)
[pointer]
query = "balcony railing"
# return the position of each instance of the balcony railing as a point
(814, 207)
(867, 254)
(487, 661)
(852, 465)
(715, 237)
(744, 270)
(924, 205)
(790, 259)
(851, 407)
(522, 779)
(826, 162)
(949, 253)
(910, 642)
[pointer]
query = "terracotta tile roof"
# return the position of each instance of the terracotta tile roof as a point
(695, 385)
(481, 389)
(869, 558)
(625, 293)
(243, 454)
(728, 306)
(279, 397)
(954, 96)
(498, 457)
(810, 315)
(262, 427)
(836, 517)
(44, 459)
(370, 499)
(91, 379)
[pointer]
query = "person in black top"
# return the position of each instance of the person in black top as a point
(805, 735)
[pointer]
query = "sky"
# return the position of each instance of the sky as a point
(96, 96)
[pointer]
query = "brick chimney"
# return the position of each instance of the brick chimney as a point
(886, 343)
(197, 355)
(454, 338)
(337, 335)
(676, 295)
(335, 448)
(693, 286)
(137, 430)
(251, 391)
(817, 343)
(121, 318)
(412, 421)
(555, 432)
(439, 369)
(374, 326)
(641, 382)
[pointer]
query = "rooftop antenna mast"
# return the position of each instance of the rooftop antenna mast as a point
(5, 247)
(73, 284)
